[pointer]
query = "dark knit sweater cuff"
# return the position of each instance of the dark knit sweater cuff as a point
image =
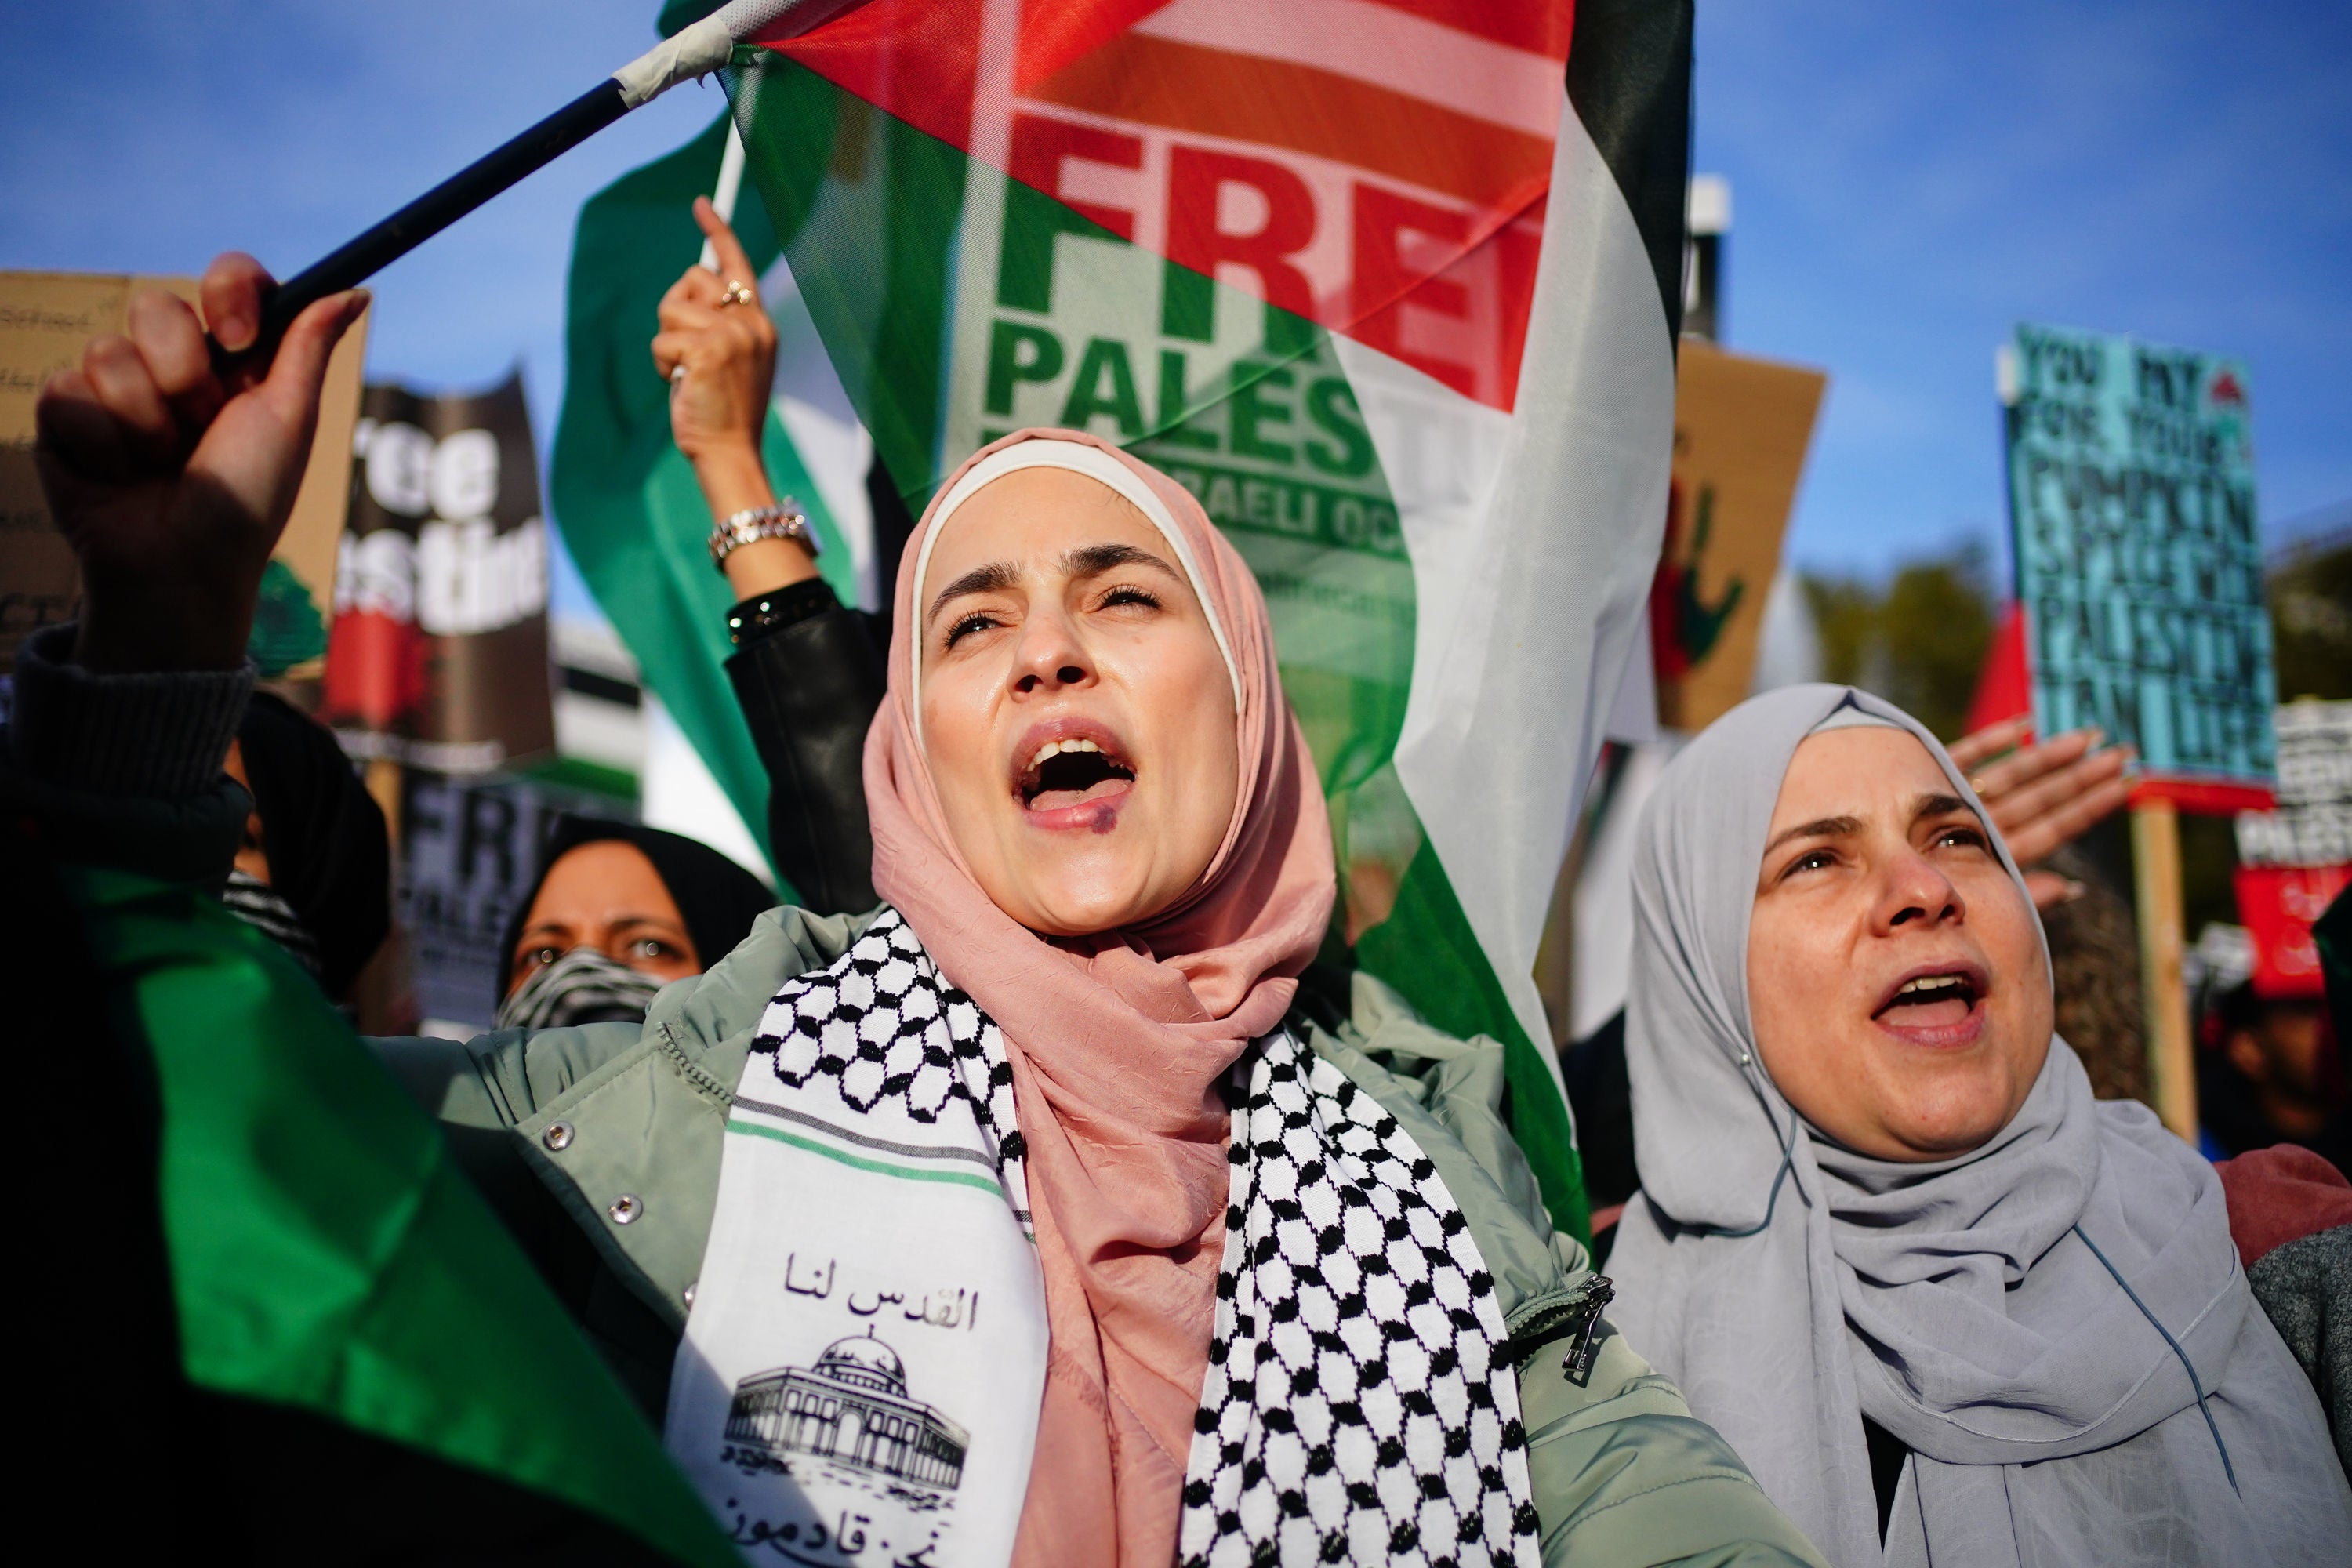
(160, 736)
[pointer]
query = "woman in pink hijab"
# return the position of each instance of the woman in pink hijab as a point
(1094, 749)
(1090, 798)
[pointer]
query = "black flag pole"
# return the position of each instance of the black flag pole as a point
(352, 264)
(696, 50)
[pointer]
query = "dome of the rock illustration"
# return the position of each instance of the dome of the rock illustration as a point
(863, 1360)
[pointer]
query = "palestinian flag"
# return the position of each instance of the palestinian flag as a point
(1391, 285)
(631, 515)
(287, 1327)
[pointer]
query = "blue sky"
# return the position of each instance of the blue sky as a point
(145, 135)
(1909, 180)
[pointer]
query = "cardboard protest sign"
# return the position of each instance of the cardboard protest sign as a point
(2139, 560)
(46, 318)
(2293, 861)
(439, 653)
(1741, 427)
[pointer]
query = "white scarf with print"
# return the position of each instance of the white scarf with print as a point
(861, 1372)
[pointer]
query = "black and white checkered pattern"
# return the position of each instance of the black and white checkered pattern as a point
(1356, 1409)
(882, 1025)
(260, 906)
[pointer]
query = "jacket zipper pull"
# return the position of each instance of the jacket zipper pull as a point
(1587, 1303)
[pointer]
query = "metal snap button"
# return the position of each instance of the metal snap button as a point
(626, 1208)
(558, 1136)
(688, 1294)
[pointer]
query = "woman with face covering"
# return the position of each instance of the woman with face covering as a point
(1024, 1218)
(617, 912)
(1948, 1307)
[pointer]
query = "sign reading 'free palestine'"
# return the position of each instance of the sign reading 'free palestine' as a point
(2138, 558)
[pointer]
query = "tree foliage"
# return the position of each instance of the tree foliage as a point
(2311, 618)
(1918, 641)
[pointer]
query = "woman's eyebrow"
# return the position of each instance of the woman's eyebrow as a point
(663, 921)
(1083, 560)
(1820, 827)
(1929, 805)
(993, 578)
(1094, 560)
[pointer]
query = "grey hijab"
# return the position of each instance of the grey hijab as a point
(2023, 1318)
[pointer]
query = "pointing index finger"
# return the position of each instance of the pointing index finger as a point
(734, 264)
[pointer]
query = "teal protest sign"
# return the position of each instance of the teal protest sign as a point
(2139, 565)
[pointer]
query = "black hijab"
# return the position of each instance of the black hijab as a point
(330, 858)
(716, 899)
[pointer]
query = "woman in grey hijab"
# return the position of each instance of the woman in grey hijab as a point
(1948, 1306)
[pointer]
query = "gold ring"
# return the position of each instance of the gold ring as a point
(736, 294)
(1976, 787)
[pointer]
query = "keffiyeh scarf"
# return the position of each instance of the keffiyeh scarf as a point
(583, 986)
(866, 1346)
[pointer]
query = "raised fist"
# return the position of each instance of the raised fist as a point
(172, 487)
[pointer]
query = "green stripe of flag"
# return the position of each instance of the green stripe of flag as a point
(327, 1253)
(1421, 949)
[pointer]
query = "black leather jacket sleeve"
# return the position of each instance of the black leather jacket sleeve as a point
(809, 678)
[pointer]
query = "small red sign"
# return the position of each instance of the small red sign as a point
(2278, 904)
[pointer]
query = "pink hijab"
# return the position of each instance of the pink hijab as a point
(1117, 1041)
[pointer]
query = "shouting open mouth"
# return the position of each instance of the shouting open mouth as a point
(1071, 773)
(1936, 1004)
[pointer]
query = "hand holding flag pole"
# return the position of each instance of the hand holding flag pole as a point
(730, 183)
(693, 51)
(722, 196)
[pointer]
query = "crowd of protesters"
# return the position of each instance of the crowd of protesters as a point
(1897, 1268)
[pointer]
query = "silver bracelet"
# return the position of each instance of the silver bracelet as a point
(782, 521)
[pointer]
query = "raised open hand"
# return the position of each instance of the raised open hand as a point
(2042, 794)
(172, 488)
